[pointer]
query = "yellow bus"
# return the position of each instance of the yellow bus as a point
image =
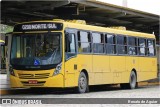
(63, 54)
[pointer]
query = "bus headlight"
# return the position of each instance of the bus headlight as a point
(11, 71)
(58, 69)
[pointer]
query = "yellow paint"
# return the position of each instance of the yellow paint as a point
(1, 41)
(119, 28)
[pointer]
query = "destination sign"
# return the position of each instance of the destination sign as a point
(41, 26)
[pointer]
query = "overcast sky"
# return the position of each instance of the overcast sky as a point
(151, 6)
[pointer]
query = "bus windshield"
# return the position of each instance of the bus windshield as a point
(36, 49)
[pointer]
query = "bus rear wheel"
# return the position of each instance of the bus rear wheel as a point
(132, 82)
(82, 83)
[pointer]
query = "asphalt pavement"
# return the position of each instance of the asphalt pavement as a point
(105, 96)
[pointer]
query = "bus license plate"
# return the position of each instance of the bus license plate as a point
(32, 81)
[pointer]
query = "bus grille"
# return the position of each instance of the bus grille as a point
(34, 76)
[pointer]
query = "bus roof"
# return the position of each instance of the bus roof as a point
(98, 28)
(108, 30)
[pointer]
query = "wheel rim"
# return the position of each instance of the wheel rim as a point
(82, 83)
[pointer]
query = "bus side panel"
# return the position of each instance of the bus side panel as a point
(102, 70)
(70, 72)
(107, 74)
(147, 68)
(153, 65)
(117, 65)
(131, 63)
(84, 62)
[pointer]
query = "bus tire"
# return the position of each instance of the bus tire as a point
(82, 83)
(132, 81)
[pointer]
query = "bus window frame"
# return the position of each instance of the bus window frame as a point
(103, 37)
(115, 44)
(124, 45)
(71, 31)
(90, 34)
(154, 47)
(141, 47)
(136, 46)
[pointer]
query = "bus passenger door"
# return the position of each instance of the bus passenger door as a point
(70, 58)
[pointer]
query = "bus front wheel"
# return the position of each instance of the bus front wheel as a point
(82, 83)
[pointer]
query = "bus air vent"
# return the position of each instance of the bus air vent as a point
(34, 76)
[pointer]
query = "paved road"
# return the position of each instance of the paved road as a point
(95, 92)
(100, 92)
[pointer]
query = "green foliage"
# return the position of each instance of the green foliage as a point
(5, 28)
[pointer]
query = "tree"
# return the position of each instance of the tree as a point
(6, 28)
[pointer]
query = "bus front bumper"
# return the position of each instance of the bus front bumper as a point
(56, 81)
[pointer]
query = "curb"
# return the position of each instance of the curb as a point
(148, 83)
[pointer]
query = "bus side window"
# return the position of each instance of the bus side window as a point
(121, 44)
(132, 46)
(151, 50)
(110, 43)
(98, 43)
(142, 45)
(84, 42)
(70, 45)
